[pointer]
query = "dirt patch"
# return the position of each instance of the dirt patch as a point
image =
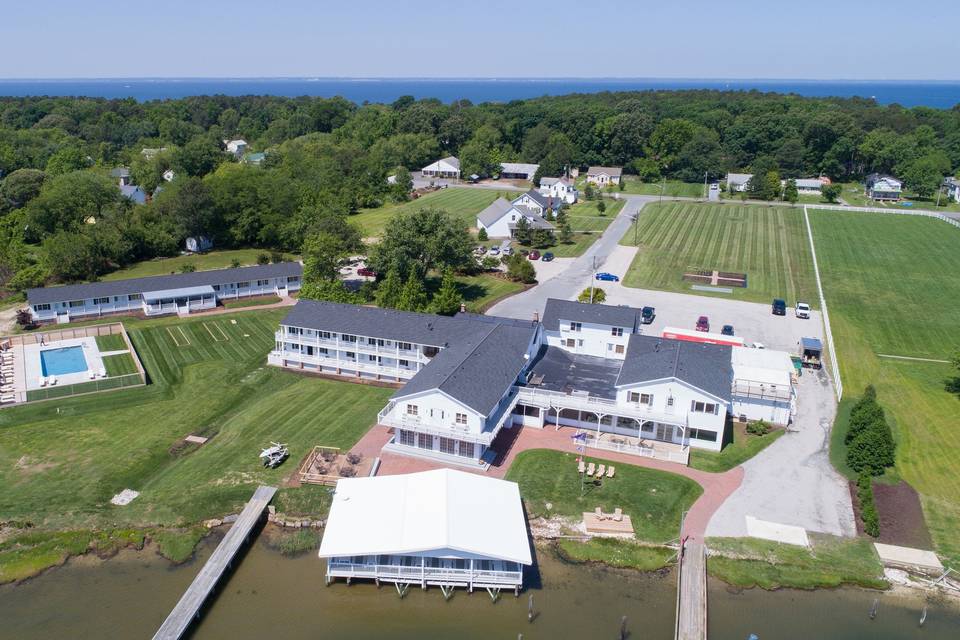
(901, 516)
(28, 466)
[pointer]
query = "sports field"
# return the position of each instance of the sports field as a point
(891, 288)
(769, 244)
(60, 462)
(671, 188)
(462, 203)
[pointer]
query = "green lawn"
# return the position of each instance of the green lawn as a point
(112, 342)
(891, 290)
(60, 462)
(769, 244)
(830, 562)
(653, 499)
(119, 365)
(462, 203)
(672, 188)
(482, 291)
(259, 301)
(743, 447)
(202, 262)
(854, 195)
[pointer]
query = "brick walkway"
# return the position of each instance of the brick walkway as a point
(717, 487)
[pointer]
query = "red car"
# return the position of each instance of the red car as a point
(367, 272)
(703, 323)
(534, 255)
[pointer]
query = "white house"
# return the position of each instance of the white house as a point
(180, 293)
(546, 206)
(596, 330)
(603, 176)
(518, 170)
(440, 527)
(810, 185)
(500, 219)
(952, 186)
(468, 378)
(198, 244)
(737, 182)
(763, 386)
(448, 167)
(880, 187)
(236, 147)
(559, 188)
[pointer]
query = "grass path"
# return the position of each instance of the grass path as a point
(464, 204)
(767, 243)
(884, 279)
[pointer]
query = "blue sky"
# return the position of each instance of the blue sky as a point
(491, 38)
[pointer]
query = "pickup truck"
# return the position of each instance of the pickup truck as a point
(779, 307)
(803, 310)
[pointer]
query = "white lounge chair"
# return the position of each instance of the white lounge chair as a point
(43, 381)
(91, 374)
(53, 380)
(8, 399)
(103, 372)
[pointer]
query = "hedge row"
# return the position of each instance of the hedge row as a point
(868, 510)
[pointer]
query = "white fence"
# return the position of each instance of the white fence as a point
(834, 363)
(916, 212)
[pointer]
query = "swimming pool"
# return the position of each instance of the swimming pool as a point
(58, 362)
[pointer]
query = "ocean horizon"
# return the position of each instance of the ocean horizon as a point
(941, 94)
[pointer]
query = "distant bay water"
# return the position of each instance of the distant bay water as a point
(941, 95)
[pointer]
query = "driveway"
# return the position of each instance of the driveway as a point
(568, 284)
(792, 481)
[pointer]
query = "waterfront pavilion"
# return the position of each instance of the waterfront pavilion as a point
(444, 527)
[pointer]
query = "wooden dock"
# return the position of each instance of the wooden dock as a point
(692, 593)
(196, 594)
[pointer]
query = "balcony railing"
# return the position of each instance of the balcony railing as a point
(559, 400)
(393, 571)
(344, 363)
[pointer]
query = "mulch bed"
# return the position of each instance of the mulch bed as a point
(901, 515)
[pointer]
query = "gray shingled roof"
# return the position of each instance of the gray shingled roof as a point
(535, 220)
(390, 324)
(68, 292)
(704, 366)
(570, 310)
(525, 168)
(610, 171)
(479, 369)
(545, 201)
(497, 209)
(560, 370)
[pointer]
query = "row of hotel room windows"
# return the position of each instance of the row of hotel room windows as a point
(622, 423)
(429, 562)
(309, 350)
(572, 343)
(414, 410)
(73, 304)
(695, 405)
(346, 337)
(447, 445)
(616, 332)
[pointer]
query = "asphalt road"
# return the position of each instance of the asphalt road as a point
(568, 284)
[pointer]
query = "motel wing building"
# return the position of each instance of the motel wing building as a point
(467, 378)
(441, 527)
(180, 293)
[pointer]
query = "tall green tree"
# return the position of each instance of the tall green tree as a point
(422, 241)
(389, 289)
(447, 300)
(790, 193)
(413, 296)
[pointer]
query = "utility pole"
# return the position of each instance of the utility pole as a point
(705, 196)
(594, 278)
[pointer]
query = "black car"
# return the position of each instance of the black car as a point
(779, 307)
(648, 314)
(727, 330)
(547, 257)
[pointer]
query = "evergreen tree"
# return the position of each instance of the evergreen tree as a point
(413, 297)
(542, 238)
(482, 235)
(790, 193)
(601, 207)
(521, 232)
(831, 192)
(329, 290)
(447, 300)
(388, 293)
(566, 235)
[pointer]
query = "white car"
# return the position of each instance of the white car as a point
(803, 310)
(759, 345)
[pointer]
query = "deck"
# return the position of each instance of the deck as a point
(608, 525)
(692, 593)
(199, 590)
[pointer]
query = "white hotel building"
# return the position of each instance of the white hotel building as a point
(467, 378)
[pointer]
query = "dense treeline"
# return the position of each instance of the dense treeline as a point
(63, 217)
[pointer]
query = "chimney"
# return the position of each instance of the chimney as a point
(536, 316)
(463, 308)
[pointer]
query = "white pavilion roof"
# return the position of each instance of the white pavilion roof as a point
(441, 513)
(766, 366)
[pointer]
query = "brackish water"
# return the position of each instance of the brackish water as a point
(270, 595)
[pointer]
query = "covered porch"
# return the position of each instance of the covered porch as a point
(638, 446)
(183, 300)
(425, 570)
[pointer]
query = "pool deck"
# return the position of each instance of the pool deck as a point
(30, 356)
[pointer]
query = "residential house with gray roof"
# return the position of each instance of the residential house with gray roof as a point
(501, 218)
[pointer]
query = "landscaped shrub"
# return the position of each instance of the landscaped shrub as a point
(187, 268)
(599, 296)
(482, 235)
(870, 445)
(275, 257)
(868, 510)
(519, 269)
(758, 428)
(263, 258)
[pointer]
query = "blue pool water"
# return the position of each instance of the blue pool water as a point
(58, 362)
